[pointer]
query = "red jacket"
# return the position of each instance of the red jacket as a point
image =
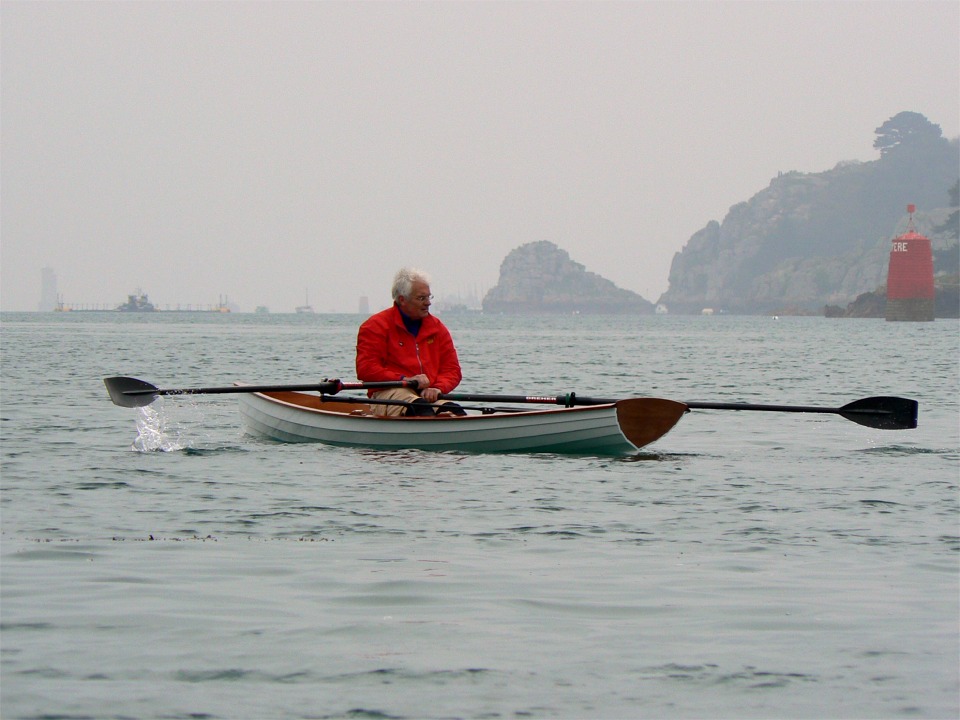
(387, 351)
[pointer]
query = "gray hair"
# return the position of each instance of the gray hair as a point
(404, 279)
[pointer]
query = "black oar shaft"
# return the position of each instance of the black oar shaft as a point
(571, 399)
(320, 387)
(884, 413)
(131, 392)
(331, 386)
(694, 405)
(568, 400)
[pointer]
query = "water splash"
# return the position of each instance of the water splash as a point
(153, 433)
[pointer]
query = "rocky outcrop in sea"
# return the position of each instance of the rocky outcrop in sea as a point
(541, 278)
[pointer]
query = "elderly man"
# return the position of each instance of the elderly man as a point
(406, 342)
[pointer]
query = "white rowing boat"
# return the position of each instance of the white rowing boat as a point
(616, 428)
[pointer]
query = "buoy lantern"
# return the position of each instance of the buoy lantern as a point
(910, 276)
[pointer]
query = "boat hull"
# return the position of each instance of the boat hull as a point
(612, 429)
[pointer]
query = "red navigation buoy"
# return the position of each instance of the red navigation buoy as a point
(910, 276)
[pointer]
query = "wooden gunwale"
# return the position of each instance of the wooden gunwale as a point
(315, 403)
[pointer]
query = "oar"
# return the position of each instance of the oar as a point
(881, 412)
(130, 392)
(884, 413)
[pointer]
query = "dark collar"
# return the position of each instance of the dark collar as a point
(413, 326)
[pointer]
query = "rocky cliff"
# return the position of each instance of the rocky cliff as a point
(539, 277)
(810, 240)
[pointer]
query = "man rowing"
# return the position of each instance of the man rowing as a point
(406, 342)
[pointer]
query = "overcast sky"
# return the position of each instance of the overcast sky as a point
(263, 151)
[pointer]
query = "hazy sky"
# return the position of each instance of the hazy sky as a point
(262, 150)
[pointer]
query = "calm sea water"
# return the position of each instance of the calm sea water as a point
(748, 565)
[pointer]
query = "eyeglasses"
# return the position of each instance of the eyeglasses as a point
(423, 298)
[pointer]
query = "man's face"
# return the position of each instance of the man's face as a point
(417, 305)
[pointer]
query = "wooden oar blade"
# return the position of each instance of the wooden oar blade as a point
(644, 420)
(882, 412)
(130, 392)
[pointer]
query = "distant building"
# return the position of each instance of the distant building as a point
(48, 290)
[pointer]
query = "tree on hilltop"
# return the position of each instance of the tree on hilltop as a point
(906, 129)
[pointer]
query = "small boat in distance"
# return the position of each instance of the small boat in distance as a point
(137, 302)
(306, 308)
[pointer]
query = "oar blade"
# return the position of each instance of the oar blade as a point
(883, 412)
(130, 392)
(644, 420)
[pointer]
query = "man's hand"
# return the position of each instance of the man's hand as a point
(422, 381)
(430, 394)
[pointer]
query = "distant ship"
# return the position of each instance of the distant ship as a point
(137, 302)
(306, 308)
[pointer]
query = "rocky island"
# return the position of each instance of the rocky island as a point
(540, 278)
